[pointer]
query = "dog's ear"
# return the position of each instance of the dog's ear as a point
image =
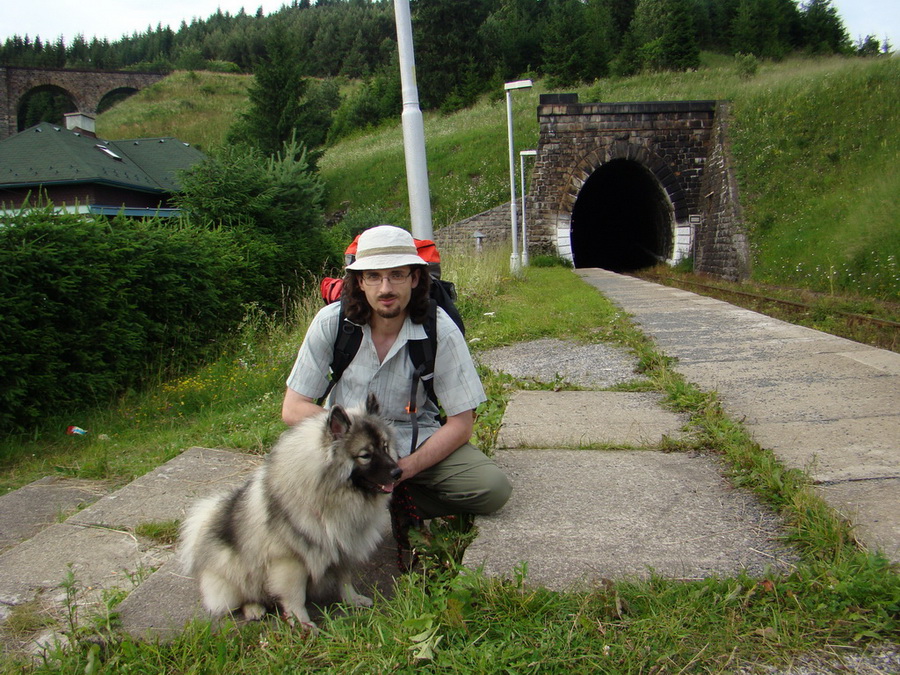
(338, 421)
(372, 405)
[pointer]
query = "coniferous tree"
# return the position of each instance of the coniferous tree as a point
(447, 45)
(823, 30)
(280, 110)
(562, 37)
(665, 34)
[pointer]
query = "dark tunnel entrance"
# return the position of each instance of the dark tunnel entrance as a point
(622, 219)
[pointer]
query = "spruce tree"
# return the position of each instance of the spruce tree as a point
(275, 98)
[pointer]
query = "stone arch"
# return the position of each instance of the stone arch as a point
(26, 99)
(592, 235)
(113, 96)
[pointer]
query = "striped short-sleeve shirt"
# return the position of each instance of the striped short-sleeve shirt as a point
(456, 382)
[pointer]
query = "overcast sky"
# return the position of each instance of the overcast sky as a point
(114, 19)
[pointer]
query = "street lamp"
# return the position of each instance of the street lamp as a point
(514, 262)
(522, 155)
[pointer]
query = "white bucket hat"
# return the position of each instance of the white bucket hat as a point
(384, 247)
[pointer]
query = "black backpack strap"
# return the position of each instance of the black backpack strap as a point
(346, 344)
(421, 353)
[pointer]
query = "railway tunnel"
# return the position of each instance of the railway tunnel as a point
(622, 219)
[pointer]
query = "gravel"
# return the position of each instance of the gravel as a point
(591, 366)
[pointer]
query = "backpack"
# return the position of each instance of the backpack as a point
(421, 352)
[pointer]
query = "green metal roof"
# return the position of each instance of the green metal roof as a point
(47, 154)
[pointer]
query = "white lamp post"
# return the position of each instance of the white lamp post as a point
(522, 155)
(514, 261)
(413, 128)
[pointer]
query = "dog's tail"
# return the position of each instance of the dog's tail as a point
(197, 526)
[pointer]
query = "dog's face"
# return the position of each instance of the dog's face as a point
(367, 442)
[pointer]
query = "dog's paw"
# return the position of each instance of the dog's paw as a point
(253, 611)
(358, 600)
(307, 625)
(300, 618)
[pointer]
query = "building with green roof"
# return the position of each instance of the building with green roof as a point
(78, 172)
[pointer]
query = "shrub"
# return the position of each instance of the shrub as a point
(747, 65)
(89, 308)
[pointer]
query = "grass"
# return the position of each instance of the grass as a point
(195, 107)
(455, 620)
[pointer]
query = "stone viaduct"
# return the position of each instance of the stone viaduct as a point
(623, 186)
(86, 88)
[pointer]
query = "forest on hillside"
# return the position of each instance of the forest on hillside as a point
(464, 47)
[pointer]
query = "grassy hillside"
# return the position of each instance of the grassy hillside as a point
(197, 108)
(816, 143)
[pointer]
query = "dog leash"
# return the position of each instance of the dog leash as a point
(404, 514)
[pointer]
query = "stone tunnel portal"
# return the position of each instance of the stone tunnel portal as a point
(622, 219)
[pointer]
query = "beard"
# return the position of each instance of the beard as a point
(389, 312)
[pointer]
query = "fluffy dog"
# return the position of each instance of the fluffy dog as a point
(315, 508)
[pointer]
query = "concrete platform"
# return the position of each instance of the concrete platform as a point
(578, 419)
(821, 403)
(166, 492)
(579, 516)
(98, 545)
(28, 510)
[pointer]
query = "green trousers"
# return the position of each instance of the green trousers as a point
(467, 481)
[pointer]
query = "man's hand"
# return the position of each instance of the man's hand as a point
(455, 432)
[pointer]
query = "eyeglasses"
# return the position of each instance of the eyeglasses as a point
(394, 278)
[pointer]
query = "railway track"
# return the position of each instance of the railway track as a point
(709, 289)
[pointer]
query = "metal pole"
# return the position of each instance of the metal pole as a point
(524, 230)
(514, 261)
(515, 264)
(413, 128)
(522, 155)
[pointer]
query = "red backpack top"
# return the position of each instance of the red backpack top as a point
(331, 287)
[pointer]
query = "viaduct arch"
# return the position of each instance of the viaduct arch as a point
(86, 88)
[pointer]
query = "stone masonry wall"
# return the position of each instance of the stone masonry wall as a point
(721, 246)
(496, 226)
(684, 144)
(670, 139)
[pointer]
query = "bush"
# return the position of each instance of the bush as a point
(89, 308)
(747, 65)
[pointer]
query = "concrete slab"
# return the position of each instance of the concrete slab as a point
(165, 493)
(28, 510)
(811, 401)
(785, 366)
(162, 605)
(872, 506)
(98, 543)
(836, 450)
(99, 559)
(577, 516)
(550, 360)
(535, 419)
